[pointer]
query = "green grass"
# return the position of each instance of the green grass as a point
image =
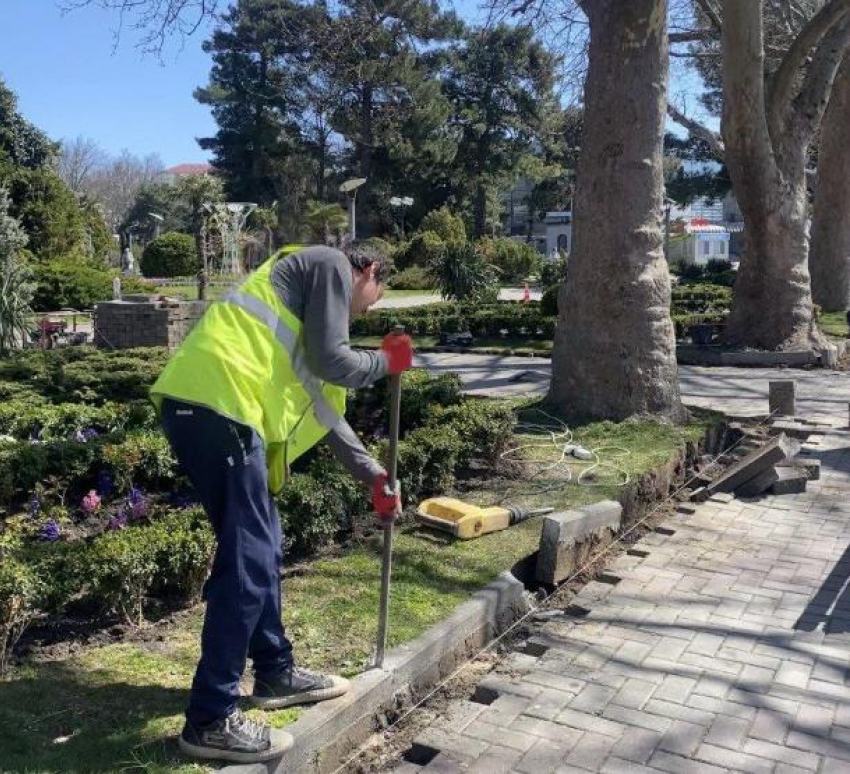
(834, 324)
(190, 292)
(118, 707)
(506, 345)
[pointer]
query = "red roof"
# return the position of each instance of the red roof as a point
(190, 169)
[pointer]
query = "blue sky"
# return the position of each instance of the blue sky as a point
(70, 80)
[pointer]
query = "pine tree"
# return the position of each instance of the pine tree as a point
(500, 83)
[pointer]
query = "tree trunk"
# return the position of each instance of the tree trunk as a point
(615, 351)
(480, 210)
(829, 260)
(772, 302)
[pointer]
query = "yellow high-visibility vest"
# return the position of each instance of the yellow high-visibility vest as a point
(245, 360)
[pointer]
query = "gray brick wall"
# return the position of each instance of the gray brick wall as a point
(145, 321)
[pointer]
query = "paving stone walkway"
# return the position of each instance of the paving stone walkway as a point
(724, 647)
(821, 394)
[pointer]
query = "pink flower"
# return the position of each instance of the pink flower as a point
(91, 502)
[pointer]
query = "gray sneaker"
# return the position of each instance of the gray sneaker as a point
(296, 686)
(234, 738)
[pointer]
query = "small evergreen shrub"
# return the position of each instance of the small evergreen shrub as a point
(423, 250)
(171, 255)
(412, 278)
(515, 261)
(445, 224)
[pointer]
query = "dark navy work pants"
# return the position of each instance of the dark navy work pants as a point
(226, 463)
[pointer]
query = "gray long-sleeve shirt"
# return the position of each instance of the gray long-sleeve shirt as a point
(316, 285)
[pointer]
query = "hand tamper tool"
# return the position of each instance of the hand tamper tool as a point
(392, 477)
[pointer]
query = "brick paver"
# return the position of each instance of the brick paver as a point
(725, 648)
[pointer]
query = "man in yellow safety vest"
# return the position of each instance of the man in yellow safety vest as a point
(259, 381)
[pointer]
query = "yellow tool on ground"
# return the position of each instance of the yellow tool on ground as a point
(467, 521)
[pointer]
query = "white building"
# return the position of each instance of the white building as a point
(559, 232)
(702, 242)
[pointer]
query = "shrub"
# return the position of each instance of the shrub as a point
(553, 272)
(412, 278)
(171, 255)
(123, 567)
(427, 461)
(485, 428)
(700, 297)
(514, 260)
(462, 274)
(423, 250)
(690, 272)
(318, 505)
(446, 225)
(717, 266)
(96, 376)
(20, 589)
(549, 301)
(24, 419)
(70, 282)
(141, 459)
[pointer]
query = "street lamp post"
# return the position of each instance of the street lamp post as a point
(350, 187)
(402, 202)
(157, 223)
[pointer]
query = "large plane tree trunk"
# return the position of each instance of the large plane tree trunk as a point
(829, 260)
(615, 351)
(767, 132)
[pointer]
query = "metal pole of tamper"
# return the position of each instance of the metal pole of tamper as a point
(387, 560)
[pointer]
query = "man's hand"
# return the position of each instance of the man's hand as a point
(398, 348)
(387, 504)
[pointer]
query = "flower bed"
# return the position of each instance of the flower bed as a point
(98, 518)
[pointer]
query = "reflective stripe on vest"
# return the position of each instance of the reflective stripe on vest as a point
(286, 337)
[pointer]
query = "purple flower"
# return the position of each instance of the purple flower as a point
(118, 521)
(50, 531)
(91, 502)
(105, 487)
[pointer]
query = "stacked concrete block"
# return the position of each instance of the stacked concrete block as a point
(145, 321)
(771, 468)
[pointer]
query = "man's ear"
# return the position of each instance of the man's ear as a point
(373, 270)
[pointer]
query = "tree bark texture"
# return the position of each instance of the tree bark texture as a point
(772, 302)
(829, 259)
(615, 350)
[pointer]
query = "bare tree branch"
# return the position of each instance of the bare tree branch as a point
(155, 20)
(783, 81)
(707, 7)
(692, 36)
(811, 102)
(715, 142)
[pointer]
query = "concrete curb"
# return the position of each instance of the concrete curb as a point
(328, 733)
(325, 734)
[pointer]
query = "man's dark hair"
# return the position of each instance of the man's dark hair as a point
(362, 255)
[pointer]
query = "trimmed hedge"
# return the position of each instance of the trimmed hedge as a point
(412, 278)
(485, 320)
(171, 255)
(72, 282)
